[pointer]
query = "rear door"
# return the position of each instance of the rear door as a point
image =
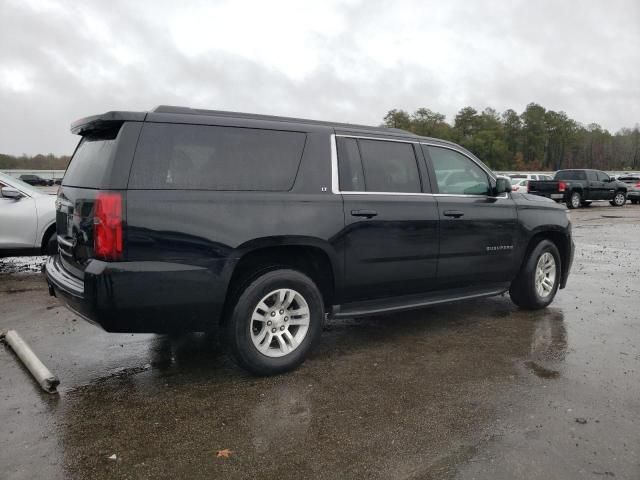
(391, 222)
(478, 232)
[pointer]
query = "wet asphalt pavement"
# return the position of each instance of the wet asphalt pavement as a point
(471, 390)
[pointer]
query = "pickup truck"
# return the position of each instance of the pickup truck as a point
(578, 188)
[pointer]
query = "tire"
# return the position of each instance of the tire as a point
(619, 199)
(634, 201)
(574, 201)
(525, 289)
(249, 326)
(50, 244)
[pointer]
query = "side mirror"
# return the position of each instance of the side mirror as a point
(8, 192)
(503, 185)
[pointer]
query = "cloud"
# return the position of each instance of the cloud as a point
(347, 61)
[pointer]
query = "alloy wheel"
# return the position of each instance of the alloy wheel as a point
(545, 275)
(280, 322)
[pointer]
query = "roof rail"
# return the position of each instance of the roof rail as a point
(256, 116)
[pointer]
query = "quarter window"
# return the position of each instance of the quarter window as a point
(177, 156)
(458, 174)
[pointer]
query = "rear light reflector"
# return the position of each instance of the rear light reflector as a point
(107, 226)
(562, 186)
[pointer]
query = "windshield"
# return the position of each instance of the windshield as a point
(19, 184)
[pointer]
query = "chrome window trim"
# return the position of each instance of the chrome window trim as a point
(335, 181)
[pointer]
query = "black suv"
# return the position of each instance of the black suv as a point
(183, 219)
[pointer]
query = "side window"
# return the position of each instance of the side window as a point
(389, 166)
(457, 174)
(602, 177)
(201, 157)
(591, 176)
(349, 165)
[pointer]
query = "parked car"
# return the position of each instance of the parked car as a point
(580, 187)
(518, 184)
(529, 176)
(27, 219)
(190, 220)
(36, 180)
(633, 186)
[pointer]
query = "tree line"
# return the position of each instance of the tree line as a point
(537, 139)
(36, 162)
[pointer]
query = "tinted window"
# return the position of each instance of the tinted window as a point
(602, 177)
(349, 165)
(629, 179)
(175, 156)
(389, 166)
(570, 175)
(458, 174)
(91, 160)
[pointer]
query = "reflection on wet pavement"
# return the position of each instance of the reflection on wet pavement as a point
(473, 390)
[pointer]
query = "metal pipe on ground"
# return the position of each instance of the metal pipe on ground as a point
(40, 372)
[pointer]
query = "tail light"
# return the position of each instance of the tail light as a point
(638, 185)
(107, 226)
(562, 186)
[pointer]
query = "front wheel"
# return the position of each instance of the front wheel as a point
(538, 281)
(275, 322)
(619, 199)
(575, 199)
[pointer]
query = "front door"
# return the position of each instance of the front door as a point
(391, 225)
(478, 231)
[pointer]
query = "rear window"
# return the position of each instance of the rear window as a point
(91, 160)
(201, 157)
(571, 175)
(630, 179)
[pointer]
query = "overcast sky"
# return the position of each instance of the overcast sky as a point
(349, 61)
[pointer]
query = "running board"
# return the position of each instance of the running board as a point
(410, 302)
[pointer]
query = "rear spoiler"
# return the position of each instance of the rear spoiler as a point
(105, 121)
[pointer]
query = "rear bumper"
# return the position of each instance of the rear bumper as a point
(633, 194)
(140, 297)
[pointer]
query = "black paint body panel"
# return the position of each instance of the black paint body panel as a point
(182, 246)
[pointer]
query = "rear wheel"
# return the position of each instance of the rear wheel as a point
(538, 281)
(619, 199)
(275, 322)
(634, 201)
(575, 199)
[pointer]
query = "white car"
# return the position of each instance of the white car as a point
(529, 176)
(27, 219)
(518, 185)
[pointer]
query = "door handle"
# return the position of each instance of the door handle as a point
(453, 213)
(364, 213)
